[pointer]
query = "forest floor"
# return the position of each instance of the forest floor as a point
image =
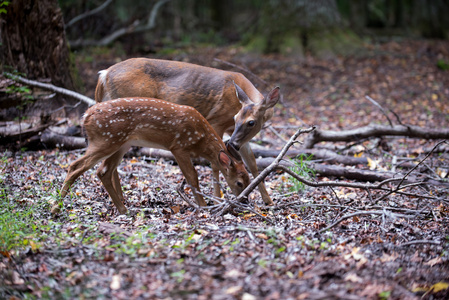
(391, 246)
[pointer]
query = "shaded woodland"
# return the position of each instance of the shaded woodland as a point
(355, 157)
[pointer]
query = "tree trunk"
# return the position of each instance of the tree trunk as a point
(34, 43)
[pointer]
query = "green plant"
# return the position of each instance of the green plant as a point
(301, 168)
(3, 5)
(25, 95)
(17, 224)
(443, 65)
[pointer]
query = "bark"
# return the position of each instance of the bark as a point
(33, 42)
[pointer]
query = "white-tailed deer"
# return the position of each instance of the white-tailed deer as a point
(114, 126)
(228, 100)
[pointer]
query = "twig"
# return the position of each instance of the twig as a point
(276, 133)
(374, 212)
(182, 194)
(420, 242)
(416, 166)
(272, 166)
(380, 107)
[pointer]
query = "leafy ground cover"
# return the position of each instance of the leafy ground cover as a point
(78, 247)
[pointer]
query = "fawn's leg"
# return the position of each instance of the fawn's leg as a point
(78, 167)
(108, 175)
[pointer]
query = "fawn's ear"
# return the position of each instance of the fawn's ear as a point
(224, 159)
(234, 153)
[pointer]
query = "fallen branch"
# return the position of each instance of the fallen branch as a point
(321, 154)
(137, 26)
(273, 165)
(420, 242)
(359, 213)
(52, 88)
(88, 13)
(374, 131)
(351, 173)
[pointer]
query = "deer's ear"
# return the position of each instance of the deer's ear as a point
(224, 159)
(272, 98)
(241, 95)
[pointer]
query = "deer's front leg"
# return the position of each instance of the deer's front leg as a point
(187, 168)
(250, 161)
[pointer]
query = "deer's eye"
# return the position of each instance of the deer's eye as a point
(239, 184)
(251, 123)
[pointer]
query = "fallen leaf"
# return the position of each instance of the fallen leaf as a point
(115, 283)
(233, 290)
(439, 286)
(247, 296)
(16, 279)
(371, 163)
(434, 261)
(232, 273)
(176, 208)
(353, 278)
(262, 236)
(386, 257)
(356, 256)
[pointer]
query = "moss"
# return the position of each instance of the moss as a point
(292, 45)
(333, 42)
(257, 44)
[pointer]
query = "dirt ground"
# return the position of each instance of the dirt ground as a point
(392, 245)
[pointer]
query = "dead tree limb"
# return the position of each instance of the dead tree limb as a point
(137, 26)
(88, 13)
(52, 88)
(374, 131)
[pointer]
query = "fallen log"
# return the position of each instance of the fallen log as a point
(374, 131)
(323, 170)
(321, 154)
(54, 140)
(12, 137)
